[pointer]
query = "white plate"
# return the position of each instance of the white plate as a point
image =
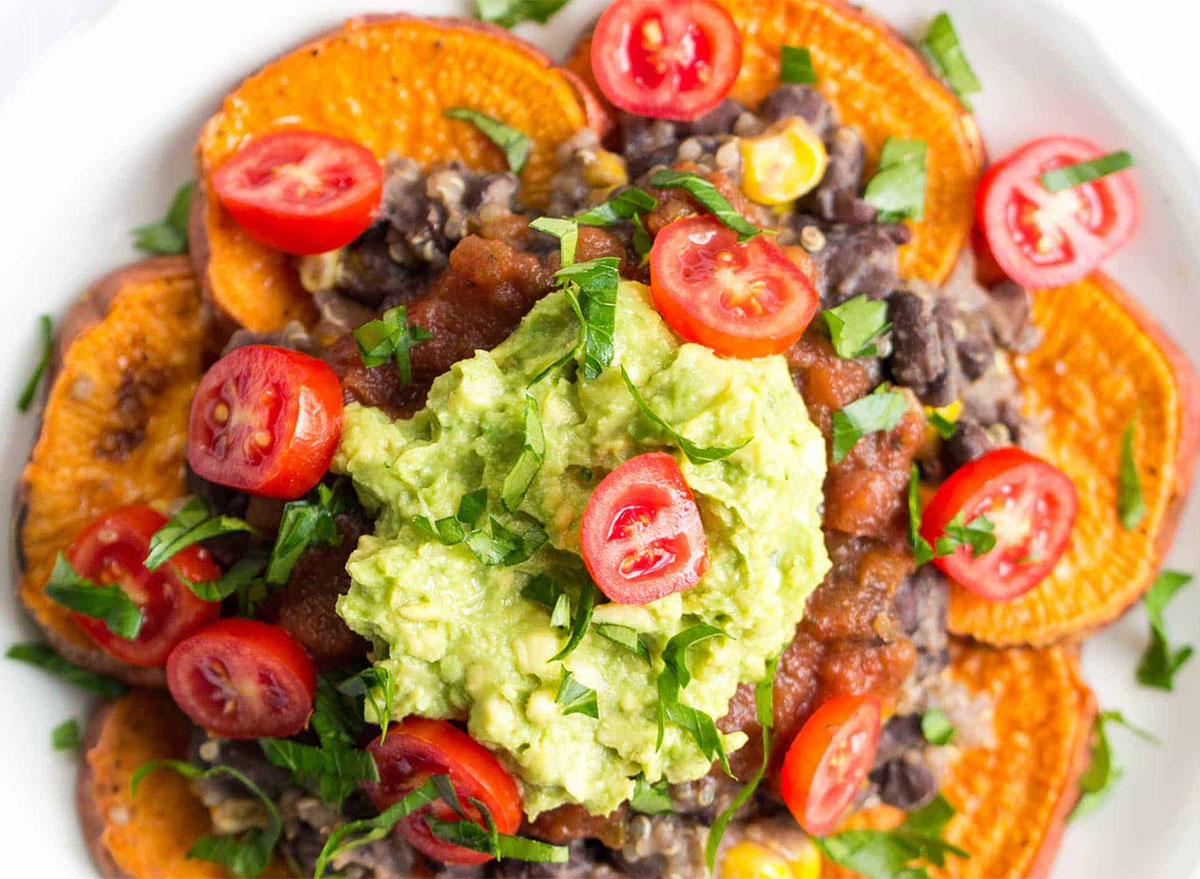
(98, 136)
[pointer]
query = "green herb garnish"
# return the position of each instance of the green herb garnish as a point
(944, 52)
(1103, 772)
(107, 603)
(595, 284)
(878, 411)
(46, 328)
(241, 578)
(390, 337)
(674, 676)
(580, 621)
(567, 233)
(576, 698)
(1160, 661)
(375, 828)
(505, 546)
(1070, 176)
(796, 66)
(193, 523)
(44, 656)
(630, 639)
(979, 534)
(625, 205)
(310, 521)
(922, 551)
(377, 689)
(533, 451)
(855, 325)
(333, 770)
(708, 196)
(1131, 505)
(944, 426)
(513, 143)
(936, 727)
(898, 188)
(451, 530)
(695, 453)
(651, 799)
(470, 834)
(169, 235)
(65, 736)
(894, 854)
(508, 13)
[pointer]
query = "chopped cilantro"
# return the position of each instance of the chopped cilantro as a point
(878, 411)
(108, 603)
(1070, 176)
(796, 65)
(1160, 661)
(1131, 505)
(855, 325)
(942, 48)
(708, 196)
(513, 143)
(390, 337)
(898, 188)
(168, 236)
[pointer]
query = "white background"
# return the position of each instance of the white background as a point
(74, 186)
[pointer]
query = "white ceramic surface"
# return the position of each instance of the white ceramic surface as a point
(97, 136)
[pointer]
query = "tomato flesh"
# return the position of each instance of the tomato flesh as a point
(417, 748)
(243, 679)
(265, 420)
(112, 549)
(301, 191)
(1032, 505)
(1048, 239)
(828, 760)
(641, 536)
(742, 300)
(667, 59)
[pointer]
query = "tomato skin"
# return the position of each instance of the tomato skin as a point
(1084, 225)
(742, 300)
(419, 747)
(641, 535)
(828, 760)
(112, 549)
(1022, 482)
(301, 191)
(635, 76)
(243, 679)
(292, 400)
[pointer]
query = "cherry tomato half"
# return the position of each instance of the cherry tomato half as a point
(743, 300)
(242, 679)
(417, 748)
(641, 536)
(301, 191)
(828, 760)
(1047, 239)
(1032, 506)
(112, 549)
(667, 59)
(266, 421)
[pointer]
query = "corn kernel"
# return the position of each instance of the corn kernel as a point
(749, 860)
(807, 862)
(783, 163)
(605, 170)
(951, 412)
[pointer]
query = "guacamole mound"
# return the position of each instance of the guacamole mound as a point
(458, 636)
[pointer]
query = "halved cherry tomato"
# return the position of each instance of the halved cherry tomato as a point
(744, 300)
(301, 191)
(417, 748)
(828, 760)
(266, 421)
(1031, 505)
(242, 679)
(642, 537)
(112, 549)
(667, 59)
(1048, 239)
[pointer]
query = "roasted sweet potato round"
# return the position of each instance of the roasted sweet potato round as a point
(1104, 363)
(879, 85)
(114, 429)
(1012, 798)
(384, 82)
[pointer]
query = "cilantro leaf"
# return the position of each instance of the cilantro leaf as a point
(108, 603)
(631, 640)
(377, 688)
(979, 534)
(651, 799)
(695, 453)
(1070, 176)
(310, 521)
(922, 551)
(708, 196)
(567, 233)
(625, 205)
(241, 577)
(1131, 505)
(45, 657)
(46, 328)
(169, 235)
(580, 621)
(193, 523)
(796, 66)
(513, 143)
(676, 675)
(1160, 661)
(65, 736)
(855, 325)
(936, 727)
(869, 414)
(944, 426)
(576, 698)
(391, 336)
(470, 834)
(533, 451)
(508, 13)
(944, 52)
(595, 283)
(890, 854)
(897, 190)
(504, 546)
(374, 828)
(1102, 772)
(335, 770)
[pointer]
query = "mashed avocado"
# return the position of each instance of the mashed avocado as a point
(457, 635)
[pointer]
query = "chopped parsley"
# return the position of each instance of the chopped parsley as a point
(627, 204)
(897, 190)
(708, 196)
(673, 678)
(695, 453)
(168, 236)
(1103, 772)
(45, 657)
(1131, 505)
(65, 736)
(508, 13)
(651, 799)
(855, 325)
(881, 410)
(944, 52)
(576, 698)
(1070, 176)
(310, 521)
(46, 329)
(533, 451)
(107, 603)
(390, 337)
(1160, 661)
(936, 727)
(193, 523)
(513, 143)
(796, 65)
(896, 854)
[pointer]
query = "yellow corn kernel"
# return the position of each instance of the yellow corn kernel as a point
(783, 163)
(749, 860)
(604, 170)
(807, 862)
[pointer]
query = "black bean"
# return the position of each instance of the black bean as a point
(969, 442)
(906, 783)
(917, 355)
(791, 100)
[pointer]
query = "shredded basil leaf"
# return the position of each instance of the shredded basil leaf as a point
(708, 196)
(169, 235)
(246, 854)
(44, 656)
(893, 854)
(333, 770)
(631, 640)
(936, 727)
(1102, 773)
(1070, 176)
(193, 523)
(576, 698)
(241, 578)
(897, 190)
(65, 736)
(979, 534)
(390, 337)
(855, 325)
(337, 719)
(881, 410)
(625, 205)
(796, 66)
(567, 233)
(944, 426)
(310, 521)
(695, 453)
(580, 621)
(107, 603)
(764, 706)
(374, 828)
(377, 688)
(508, 13)
(922, 551)
(469, 834)
(676, 675)
(643, 241)
(944, 52)
(513, 143)
(595, 283)
(504, 546)
(651, 799)
(533, 451)
(1160, 661)
(1131, 505)
(545, 590)
(46, 328)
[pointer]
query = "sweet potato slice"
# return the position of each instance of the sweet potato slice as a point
(383, 81)
(148, 835)
(1104, 363)
(1014, 797)
(879, 85)
(114, 429)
